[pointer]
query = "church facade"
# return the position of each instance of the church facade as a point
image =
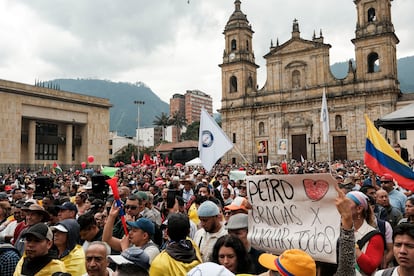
(282, 120)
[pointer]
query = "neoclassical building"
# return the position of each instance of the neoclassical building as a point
(287, 108)
(41, 126)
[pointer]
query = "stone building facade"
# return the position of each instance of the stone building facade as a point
(288, 106)
(41, 126)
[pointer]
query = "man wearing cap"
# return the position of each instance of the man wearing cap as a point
(65, 242)
(211, 228)
(30, 189)
(139, 235)
(97, 261)
(36, 259)
(238, 226)
(180, 255)
(397, 198)
(67, 210)
(133, 261)
(34, 214)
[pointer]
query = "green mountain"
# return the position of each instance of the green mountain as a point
(405, 67)
(124, 113)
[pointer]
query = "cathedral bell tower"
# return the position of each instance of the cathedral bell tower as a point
(375, 41)
(238, 70)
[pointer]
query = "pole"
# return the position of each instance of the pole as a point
(138, 103)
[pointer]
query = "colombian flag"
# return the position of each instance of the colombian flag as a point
(382, 158)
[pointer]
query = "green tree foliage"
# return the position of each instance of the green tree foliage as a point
(192, 132)
(162, 121)
(178, 120)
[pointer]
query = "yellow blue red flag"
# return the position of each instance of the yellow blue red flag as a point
(382, 158)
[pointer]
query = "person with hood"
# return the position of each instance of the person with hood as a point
(65, 241)
(181, 254)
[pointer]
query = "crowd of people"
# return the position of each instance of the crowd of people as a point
(185, 221)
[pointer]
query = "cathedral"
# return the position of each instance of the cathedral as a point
(282, 119)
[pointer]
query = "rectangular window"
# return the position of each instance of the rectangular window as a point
(46, 147)
(403, 135)
(234, 138)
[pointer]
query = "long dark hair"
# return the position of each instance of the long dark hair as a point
(243, 261)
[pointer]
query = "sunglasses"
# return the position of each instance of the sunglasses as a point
(132, 207)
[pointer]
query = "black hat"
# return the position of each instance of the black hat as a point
(40, 231)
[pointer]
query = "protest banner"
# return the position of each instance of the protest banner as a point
(294, 211)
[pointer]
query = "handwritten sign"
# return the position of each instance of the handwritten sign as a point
(294, 211)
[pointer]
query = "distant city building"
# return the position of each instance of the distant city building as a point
(287, 108)
(41, 126)
(189, 105)
(117, 143)
(150, 136)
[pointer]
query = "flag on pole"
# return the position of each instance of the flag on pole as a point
(324, 118)
(56, 168)
(382, 158)
(213, 142)
(302, 159)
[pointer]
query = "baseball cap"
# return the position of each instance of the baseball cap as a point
(132, 255)
(68, 206)
(386, 177)
(40, 231)
(291, 262)
(208, 209)
(237, 221)
(59, 227)
(238, 203)
(142, 195)
(144, 224)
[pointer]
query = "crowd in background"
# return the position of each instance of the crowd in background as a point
(178, 220)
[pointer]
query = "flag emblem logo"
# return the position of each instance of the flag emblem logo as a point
(207, 138)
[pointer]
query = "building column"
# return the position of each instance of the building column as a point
(31, 143)
(69, 135)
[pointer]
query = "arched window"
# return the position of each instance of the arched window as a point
(373, 63)
(233, 84)
(261, 128)
(371, 15)
(250, 82)
(296, 79)
(338, 122)
(233, 45)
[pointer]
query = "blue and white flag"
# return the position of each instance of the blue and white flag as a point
(325, 119)
(213, 142)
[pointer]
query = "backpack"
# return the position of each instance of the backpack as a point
(368, 236)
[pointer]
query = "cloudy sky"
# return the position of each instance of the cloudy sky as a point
(170, 45)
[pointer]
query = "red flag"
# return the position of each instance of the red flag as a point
(113, 183)
(285, 168)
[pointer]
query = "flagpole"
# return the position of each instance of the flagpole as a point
(238, 151)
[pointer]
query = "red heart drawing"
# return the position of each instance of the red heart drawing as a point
(315, 190)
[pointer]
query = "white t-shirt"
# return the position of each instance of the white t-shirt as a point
(394, 273)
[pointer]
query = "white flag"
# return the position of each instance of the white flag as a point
(324, 119)
(213, 142)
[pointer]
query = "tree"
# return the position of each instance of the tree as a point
(192, 131)
(178, 120)
(162, 121)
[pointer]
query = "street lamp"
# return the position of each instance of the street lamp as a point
(138, 103)
(314, 143)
